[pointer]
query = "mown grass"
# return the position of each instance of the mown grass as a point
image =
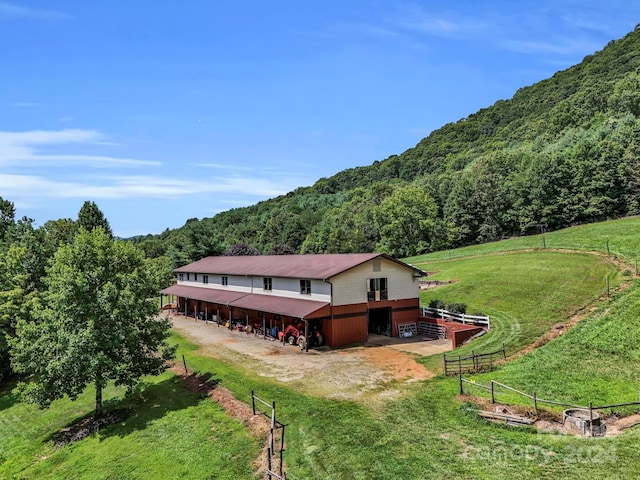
(172, 433)
(597, 361)
(524, 293)
(425, 432)
(621, 236)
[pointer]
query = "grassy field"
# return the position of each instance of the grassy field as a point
(621, 236)
(173, 434)
(598, 360)
(524, 293)
(423, 433)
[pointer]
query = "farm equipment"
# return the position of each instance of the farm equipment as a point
(294, 335)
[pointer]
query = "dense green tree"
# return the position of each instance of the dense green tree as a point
(241, 249)
(7, 217)
(90, 217)
(98, 324)
(408, 222)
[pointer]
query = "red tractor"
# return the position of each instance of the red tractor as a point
(294, 334)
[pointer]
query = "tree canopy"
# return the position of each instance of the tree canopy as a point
(98, 322)
(90, 217)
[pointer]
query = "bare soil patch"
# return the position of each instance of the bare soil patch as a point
(88, 426)
(351, 373)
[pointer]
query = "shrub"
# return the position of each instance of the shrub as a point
(460, 308)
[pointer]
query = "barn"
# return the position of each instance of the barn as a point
(344, 296)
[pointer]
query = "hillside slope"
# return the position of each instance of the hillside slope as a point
(560, 152)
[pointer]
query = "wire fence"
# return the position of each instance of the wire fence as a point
(535, 399)
(475, 362)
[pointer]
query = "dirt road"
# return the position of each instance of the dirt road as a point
(374, 370)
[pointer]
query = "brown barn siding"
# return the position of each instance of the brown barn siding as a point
(348, 330)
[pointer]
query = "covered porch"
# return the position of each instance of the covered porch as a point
(268, 316)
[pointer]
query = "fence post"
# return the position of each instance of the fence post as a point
(461, 388)
(544, 242)
(535, 403)
(607, 246)
(459, 365)
(444, 359)
(493, 397)
(504, 354)
(253, 402)
(184, 362)
(591, 417)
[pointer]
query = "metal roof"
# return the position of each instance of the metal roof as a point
(292, 307)
(318, 266)
(223, 297)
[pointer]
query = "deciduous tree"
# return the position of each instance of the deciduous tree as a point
(99, 323)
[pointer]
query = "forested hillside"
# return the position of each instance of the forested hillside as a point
(560, 152)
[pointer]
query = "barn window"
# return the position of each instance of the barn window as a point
(377, 289)
(181, 276)
(225, 280)
(205, 278)
(305, 287)
(267, 283)
(195, 277)
(376, 266)
(187, 276)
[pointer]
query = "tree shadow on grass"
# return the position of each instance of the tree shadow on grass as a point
(7, 397)
(147, 403)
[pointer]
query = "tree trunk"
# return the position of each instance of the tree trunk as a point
(99, 409)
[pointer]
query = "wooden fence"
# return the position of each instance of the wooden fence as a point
(275, 425)
(478, 320)
(476, 362)
(537, 400)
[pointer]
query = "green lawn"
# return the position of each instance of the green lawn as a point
(524, 293)
(423, 433)
(598, 360)
(173, 434)
(622, 237)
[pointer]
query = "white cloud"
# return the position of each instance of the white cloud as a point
(26, 187)
(10, 10)
(19, 148)
(562, 46)
(222, 166)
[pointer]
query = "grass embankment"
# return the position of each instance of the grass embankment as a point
(172, 433)
(424, 434)
(598, 360)
(524, 293)
(621, 237)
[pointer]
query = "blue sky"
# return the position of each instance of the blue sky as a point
(160, 111)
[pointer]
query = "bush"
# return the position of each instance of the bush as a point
(460, 308)
(436, 304)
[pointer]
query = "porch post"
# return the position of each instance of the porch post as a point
(306, 334)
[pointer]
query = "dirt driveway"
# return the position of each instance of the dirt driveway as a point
(378, 369)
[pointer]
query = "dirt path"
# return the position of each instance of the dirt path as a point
(357, 373)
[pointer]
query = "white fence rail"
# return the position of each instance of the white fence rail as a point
(457, 317)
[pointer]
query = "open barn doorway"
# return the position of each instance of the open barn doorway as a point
(380, 321)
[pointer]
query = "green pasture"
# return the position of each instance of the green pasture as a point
(423, 433)
(172, 433)
(524, 293)
(622, 237)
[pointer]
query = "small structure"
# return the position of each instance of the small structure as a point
(584, 422)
